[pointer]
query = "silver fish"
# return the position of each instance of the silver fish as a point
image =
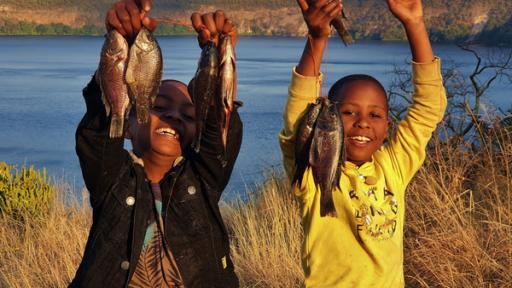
(342, 28)
(204, 86)
(114, 55)
(144, 73)
(325, 154)
(227, 88)
(303, 137)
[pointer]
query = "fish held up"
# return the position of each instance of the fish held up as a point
(227, 86)
(144, 73)
(303, 138)
(204, 87)
(319, 145)
(111, 76)
(325, 154)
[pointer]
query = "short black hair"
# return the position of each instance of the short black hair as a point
(338, 86)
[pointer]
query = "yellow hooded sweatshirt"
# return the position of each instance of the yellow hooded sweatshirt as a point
(363, 245)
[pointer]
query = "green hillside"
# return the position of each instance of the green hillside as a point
(448, 20)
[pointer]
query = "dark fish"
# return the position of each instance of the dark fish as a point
(325, 154)
(227, 86)
(114, 55)
(341, 27)
(204, 87)
(144, 73)
(303, 138)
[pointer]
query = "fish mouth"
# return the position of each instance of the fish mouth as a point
(359, 139)
(168, 132)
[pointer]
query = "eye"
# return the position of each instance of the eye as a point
(348, 113)
(375, 115)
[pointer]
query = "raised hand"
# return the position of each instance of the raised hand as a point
(129, 16)
(318, 15)
(211, 26)
(407, 11)
(410, 13)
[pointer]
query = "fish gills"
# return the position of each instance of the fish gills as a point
(144, 73)
(114, 55)
(204, 87)
(325, 154)
(227, 94)
(342, 28)
(303, 138)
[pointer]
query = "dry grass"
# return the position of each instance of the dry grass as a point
(458, 229)
(266, 236)
(44, 251)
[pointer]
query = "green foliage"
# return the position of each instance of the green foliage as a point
(448, 20)
(31, 28)
(24, 192)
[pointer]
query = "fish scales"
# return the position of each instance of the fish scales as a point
(111, 71)
(204, 87)
(144, 73)
(325, 155)
(303, 138)
(227, 94)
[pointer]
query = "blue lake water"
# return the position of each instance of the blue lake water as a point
(41, 79)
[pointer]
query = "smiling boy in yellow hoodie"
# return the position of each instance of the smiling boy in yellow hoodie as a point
(363, 245)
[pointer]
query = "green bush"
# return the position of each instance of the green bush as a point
(25, 191)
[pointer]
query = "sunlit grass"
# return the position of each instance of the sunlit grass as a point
(458, 228)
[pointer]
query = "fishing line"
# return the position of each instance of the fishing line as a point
(173, 22)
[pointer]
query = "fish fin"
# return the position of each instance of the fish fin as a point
(326, 203)
(315, 150)
(300, 169)
(105, 103)
(116, 126)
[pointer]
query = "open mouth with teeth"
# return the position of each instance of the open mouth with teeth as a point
(168, 132)
(360, 139)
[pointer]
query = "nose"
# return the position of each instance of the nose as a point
(172, 115)
(362, 122)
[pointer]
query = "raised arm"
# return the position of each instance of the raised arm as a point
(215, 162)
(408, 146)
(101, 156)
(410, 13)
(318, 15)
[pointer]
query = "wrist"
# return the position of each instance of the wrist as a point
(414, 24)
(318, 38)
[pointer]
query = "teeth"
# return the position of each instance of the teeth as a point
(166, 131)
(361, 138)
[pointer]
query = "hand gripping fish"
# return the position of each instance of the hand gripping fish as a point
(325, 154)
(303, 138)
(112, 82)
(204, 86)
(144, 73)
(341, 27)
(227, 88)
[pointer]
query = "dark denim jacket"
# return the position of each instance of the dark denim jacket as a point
(122, 202)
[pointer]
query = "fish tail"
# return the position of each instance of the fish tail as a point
(225, 130)
(326, 204)
(116, 126)
(142, 114)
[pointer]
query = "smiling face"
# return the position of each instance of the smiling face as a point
(363, 110)
(171, 126)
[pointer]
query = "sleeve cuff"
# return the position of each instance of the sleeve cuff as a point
(430, 71)
(301, 84)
